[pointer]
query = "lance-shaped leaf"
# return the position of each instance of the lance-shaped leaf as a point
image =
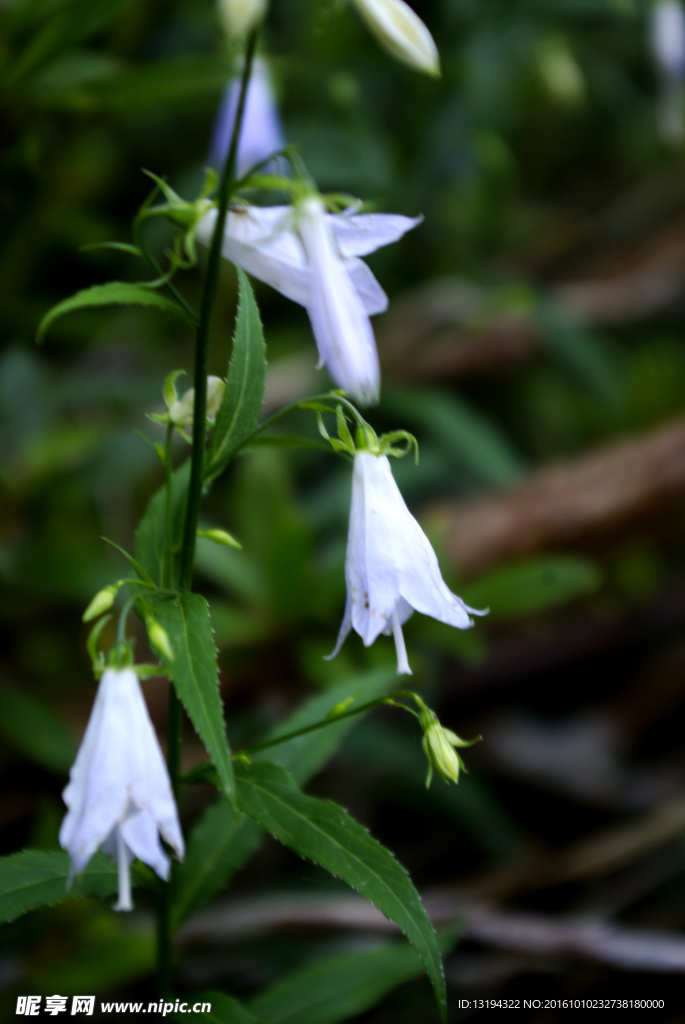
(151, 534)
(194, 673)
(219, 845)
(114, 293)
(33, 879)
(244, 393)
(323, 832)
(338, 988)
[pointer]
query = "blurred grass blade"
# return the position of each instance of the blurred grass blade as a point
(582, 352)
(225, 1010)
(33, 729)
(244, 392)
(195, 674)
(63, 29)
(218, 846)
(338, 988)
(323, 832)
(469, 436)
(114, 293)
(522, 588)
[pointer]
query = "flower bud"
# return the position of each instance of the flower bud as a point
(220, 537)
(239, 17)
(402, 33)
(101, 603)
(181, 411)
(159, 638)
(440, 753)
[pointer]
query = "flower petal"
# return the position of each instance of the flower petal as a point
(359, 234)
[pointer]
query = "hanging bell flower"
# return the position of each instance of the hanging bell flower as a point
(119, 796)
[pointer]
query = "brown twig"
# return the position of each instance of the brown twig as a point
(568, 503)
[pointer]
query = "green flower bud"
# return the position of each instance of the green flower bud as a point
(181, 412)
(220, 537)
(101, 603)
(439, 746)
(159, 638)
(239, 17)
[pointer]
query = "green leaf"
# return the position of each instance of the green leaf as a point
(33, 879)
(114, 293)
(151, 534)
(219, 845)
(225, 1010)
(244, 393)
(323, 832)
(522, 588)
(194, 674)
(32, 728)
(338, 988)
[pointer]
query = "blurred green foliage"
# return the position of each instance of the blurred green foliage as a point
(533, 156)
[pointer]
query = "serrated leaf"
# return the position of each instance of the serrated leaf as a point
(194, 674)
(337, 988)
(244, 392)
(33, 879)
(114, 293)
(150, 543)
(323, 832)
(225, 1010)
(218, 846)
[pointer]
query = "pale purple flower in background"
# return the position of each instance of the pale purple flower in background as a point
(119, 795)
(312, 257)
(668, 37)
(668, 46)
(261, 134)
(391, 569)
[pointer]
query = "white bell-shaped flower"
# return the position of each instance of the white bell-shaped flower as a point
(261, 134)
(119, 795)
(312, 257)
(401, 32)
(341, 325)
(391, 569)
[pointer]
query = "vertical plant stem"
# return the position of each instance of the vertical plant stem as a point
(168, 570)
(226, 186)
(174, 721)
(174, 735)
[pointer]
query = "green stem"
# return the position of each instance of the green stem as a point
(174, 722)
(168, 564)
(330, 721)
(226, 186)
(140, 242)
(164, 934)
